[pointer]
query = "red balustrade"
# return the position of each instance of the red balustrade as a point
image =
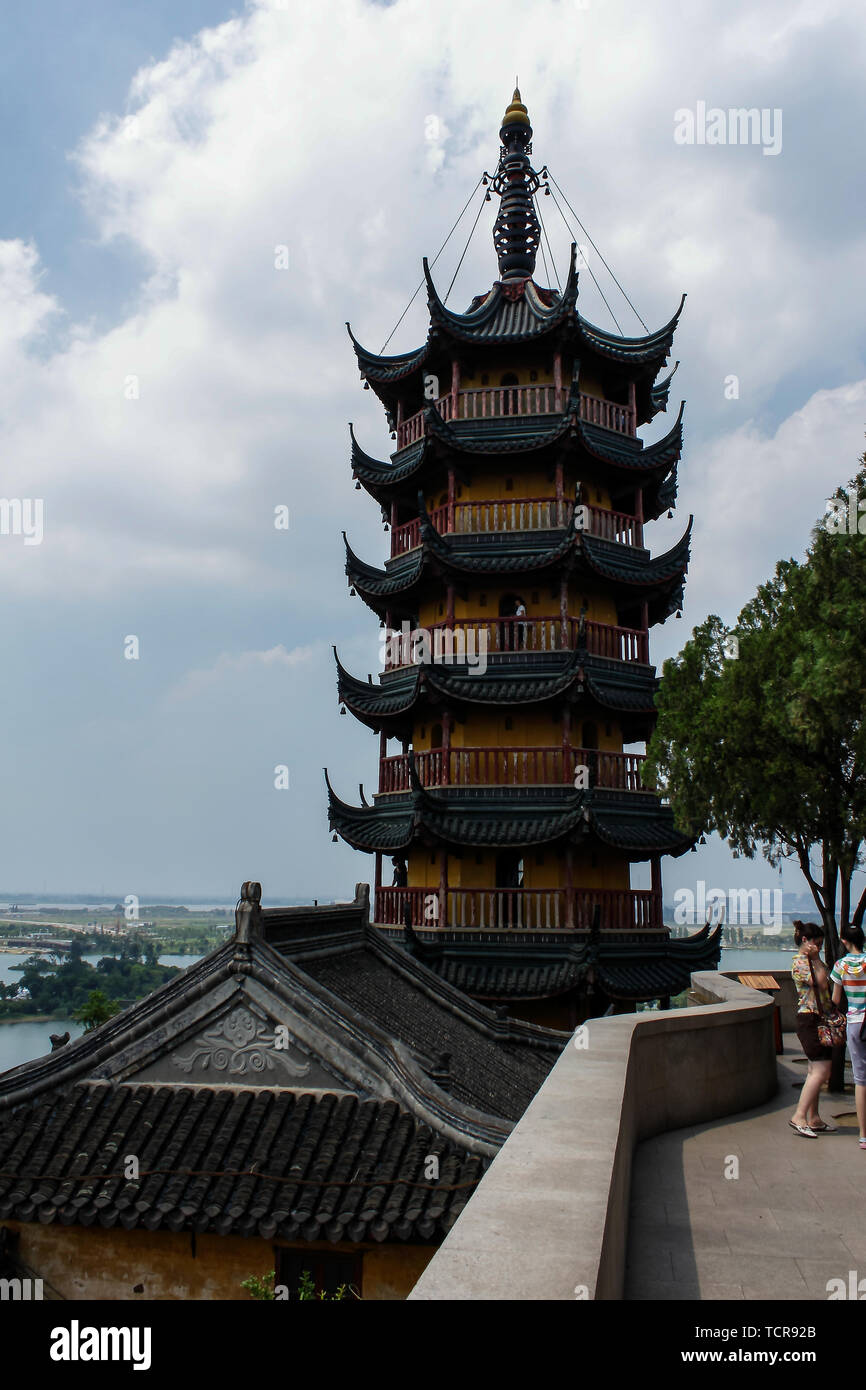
(518, 514)
(452, 643)
(498, 402)
(512, 767)
(519, 909)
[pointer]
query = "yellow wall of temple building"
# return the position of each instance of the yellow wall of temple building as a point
(87, 1262)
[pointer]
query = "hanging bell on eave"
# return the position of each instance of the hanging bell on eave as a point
(702, 840)
(334, 838)
(670, 515)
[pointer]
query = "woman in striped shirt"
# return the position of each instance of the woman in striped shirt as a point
(849, 978)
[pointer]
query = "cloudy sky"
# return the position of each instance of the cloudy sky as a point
(165, 385)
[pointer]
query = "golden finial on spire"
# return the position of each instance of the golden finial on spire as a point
(516, 113)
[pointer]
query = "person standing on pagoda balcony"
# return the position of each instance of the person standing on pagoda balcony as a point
(520, 628)
(813, 998)
(849, 979)
(401, 873)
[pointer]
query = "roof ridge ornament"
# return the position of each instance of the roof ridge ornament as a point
(516, 232)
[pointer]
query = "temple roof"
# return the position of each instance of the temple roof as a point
(504, 817)
(493, 967)
(628, 688)
(513, 312)
(624, 460)
(288, 1084)
(629, 571)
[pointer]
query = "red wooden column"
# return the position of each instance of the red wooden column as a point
(632, 408)
(447, 721)
(563, 611)
(383, 753)
(449, 605)
(557, 381)
(566, 742)
(569, 886)
(638, 511)
(452, 495)
(644, 616)
(443, 888)
(393, 528)
(657, 907)
(455, 387)
(560, 514)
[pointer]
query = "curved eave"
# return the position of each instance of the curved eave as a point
(657, 573)
(652, 347)
(379, 475)
(639, 835)
(499, 319)
(514, 434)
(661, 391)
(383, 371)
(369, 581)
(653, 458)
(506, 820)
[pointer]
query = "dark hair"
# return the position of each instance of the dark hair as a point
(853, 935)
(807, 931)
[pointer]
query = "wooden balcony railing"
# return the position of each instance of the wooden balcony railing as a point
(498, 402)
(512, 767)
(519, 909)
(513, 636)
(519, 514)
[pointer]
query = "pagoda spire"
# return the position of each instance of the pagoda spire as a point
(516, 233)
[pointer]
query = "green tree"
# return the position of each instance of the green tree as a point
(765, 743)
(98, 1009)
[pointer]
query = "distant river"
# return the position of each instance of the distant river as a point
(21, 1042)
(756, 960)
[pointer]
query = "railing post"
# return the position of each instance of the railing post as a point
(656, 907)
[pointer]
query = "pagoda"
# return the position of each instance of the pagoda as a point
(515, 607)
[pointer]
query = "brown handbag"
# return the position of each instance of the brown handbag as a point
(832, 1026)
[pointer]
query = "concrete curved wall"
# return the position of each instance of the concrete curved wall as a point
(550, 1218)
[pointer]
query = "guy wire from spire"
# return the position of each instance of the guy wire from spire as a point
(600, 256)
(465, 248)
(544, 261)
(588, 266)
(546, 238)
(432, 263)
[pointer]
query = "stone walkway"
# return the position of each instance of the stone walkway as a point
(789, 1222)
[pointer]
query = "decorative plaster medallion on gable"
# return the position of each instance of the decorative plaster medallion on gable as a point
(239, 1044)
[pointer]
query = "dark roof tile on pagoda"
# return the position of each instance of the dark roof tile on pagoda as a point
(385, 370)
(628, 688)
(320, 1134)
(541, 965)
(661, 391)
(652, 347)
(502, 817)
(629, 565)
(520, 552)
(513, 314)
(628, 452)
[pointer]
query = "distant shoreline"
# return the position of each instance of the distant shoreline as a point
(30, 1018)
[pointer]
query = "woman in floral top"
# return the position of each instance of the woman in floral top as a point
(810, 938)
